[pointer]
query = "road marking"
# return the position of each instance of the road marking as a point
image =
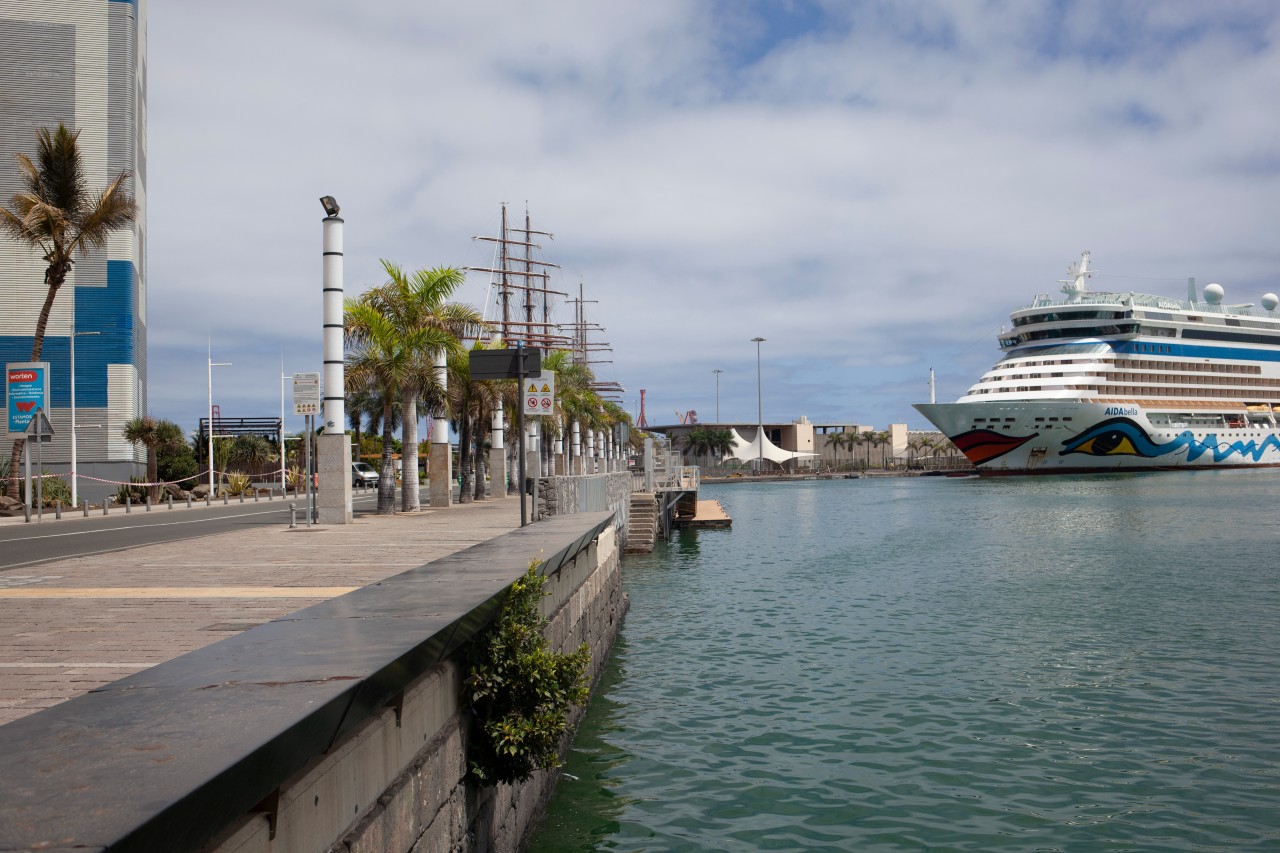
(179, 592)
(70, 664)
(141, 526)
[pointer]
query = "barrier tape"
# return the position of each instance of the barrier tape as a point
(203, 475)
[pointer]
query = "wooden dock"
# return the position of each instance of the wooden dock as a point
(709, 514)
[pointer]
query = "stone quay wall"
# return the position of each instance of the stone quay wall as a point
(339, 727)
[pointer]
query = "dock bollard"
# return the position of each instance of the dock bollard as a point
(293, 516)
(208, 500)
(106, 502)
(128, 503)
(57, 509)
(242, 497)
(255, 495)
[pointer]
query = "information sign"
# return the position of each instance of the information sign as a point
(503, 364)
(306, 393)
(540, 394)
(26, 389)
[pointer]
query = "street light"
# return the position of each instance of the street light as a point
(759, 405)
(212, 365)
(717, 371)
(74, 334)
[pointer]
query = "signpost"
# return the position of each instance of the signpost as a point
(540, 394)
(38, 430)
(515, 363)
(306, 402)
(27, 392)
(27, 389)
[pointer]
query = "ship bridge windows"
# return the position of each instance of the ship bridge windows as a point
(1236, 337)
(1056, 316)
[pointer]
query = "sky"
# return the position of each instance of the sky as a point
(871, 187)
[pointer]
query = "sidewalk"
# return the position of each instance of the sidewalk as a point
(69, 626)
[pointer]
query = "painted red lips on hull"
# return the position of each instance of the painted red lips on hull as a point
(983, 445)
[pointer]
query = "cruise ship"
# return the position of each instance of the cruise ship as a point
(1103, 382)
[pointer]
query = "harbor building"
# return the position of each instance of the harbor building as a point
(81, 63)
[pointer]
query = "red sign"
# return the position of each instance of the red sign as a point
(22, 376)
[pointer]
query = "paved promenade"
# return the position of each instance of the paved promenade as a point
(69, 626)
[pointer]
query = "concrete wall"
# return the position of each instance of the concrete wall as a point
(338, 727)
(586, 493)
(398, 784)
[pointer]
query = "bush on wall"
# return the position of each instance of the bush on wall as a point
(520, 690)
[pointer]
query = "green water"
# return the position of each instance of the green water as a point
(1038, 664)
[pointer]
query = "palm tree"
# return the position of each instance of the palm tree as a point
(382, 358)
(56, 214)
(155, 436)
(415, 304)
(471, 401)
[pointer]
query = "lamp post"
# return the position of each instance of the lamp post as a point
(75, 499)
(759, 406)
(717, 372)
(212, 365)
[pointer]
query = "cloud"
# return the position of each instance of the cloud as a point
(871, 187)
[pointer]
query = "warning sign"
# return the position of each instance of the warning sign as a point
(540, 394)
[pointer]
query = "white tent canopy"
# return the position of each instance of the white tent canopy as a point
(748, 451)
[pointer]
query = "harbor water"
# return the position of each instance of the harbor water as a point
(1017, 664)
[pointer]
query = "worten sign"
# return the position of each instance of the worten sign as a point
(540, 394)
(504, 364)
(26, 389)
(306, 393)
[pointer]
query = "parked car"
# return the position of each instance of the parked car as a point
(364, 474)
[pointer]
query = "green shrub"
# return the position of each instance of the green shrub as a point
(53, 490)
(519, 690)
(132, 488)
(238, 484)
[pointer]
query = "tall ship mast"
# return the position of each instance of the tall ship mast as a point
(1101, 381)
(520, 299)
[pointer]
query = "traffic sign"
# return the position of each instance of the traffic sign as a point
(306, 393)
(39, 427)
(540, 394)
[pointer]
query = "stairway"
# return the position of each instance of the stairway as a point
(642, 524)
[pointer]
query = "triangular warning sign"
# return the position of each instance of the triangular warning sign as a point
(533, 389)
(39, 425)
(546, 389)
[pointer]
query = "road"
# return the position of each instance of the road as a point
(24, 544)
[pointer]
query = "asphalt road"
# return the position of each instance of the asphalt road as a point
(24, 544)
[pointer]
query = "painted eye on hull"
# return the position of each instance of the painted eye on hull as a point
(1116, 437)
(1108, 444)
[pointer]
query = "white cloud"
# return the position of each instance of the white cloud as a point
(872, 196)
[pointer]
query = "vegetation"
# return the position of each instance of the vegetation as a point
(154, 435)
(239, 483)
(177, 465)
(56, 214)
(134, 491)
(519, 690)
(395, 331)
(703, 442)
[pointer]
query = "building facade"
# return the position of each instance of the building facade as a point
(81, 63)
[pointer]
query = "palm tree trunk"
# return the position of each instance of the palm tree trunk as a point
(464, 459)
(409, 455)
(387, 476)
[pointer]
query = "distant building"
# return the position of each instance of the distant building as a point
(81, 63)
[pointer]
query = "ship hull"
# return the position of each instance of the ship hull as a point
(1076, 437)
